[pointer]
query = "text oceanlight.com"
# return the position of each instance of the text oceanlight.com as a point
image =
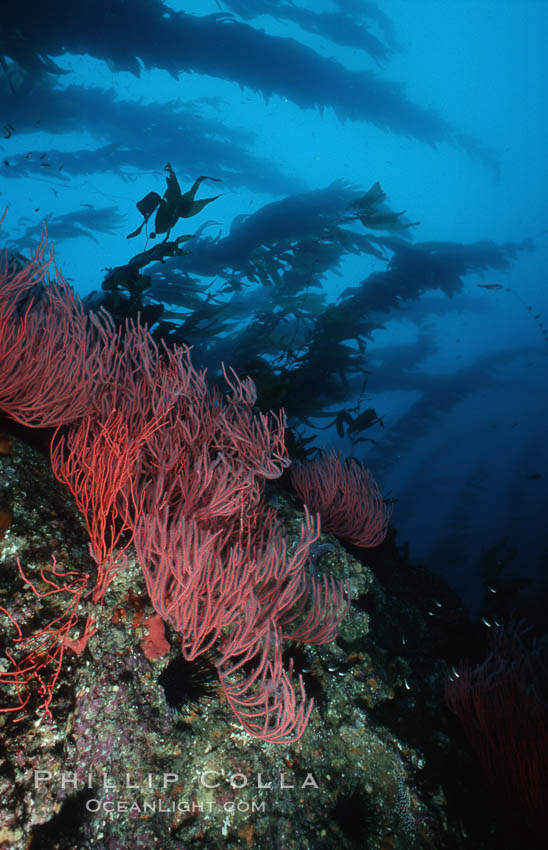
(144, 807)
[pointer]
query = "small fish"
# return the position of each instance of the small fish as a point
(491, 285)
(534, 476)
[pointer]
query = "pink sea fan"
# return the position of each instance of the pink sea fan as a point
(49, 355)
(153, 455)
(346, 496)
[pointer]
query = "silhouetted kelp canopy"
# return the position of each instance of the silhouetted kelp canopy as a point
(132, 135)
(347, 27)
(148, 33)
(255, 298)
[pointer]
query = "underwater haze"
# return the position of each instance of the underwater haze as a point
(374, 237)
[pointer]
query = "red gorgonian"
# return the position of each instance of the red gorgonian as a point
(345, 495)
(153, 455)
